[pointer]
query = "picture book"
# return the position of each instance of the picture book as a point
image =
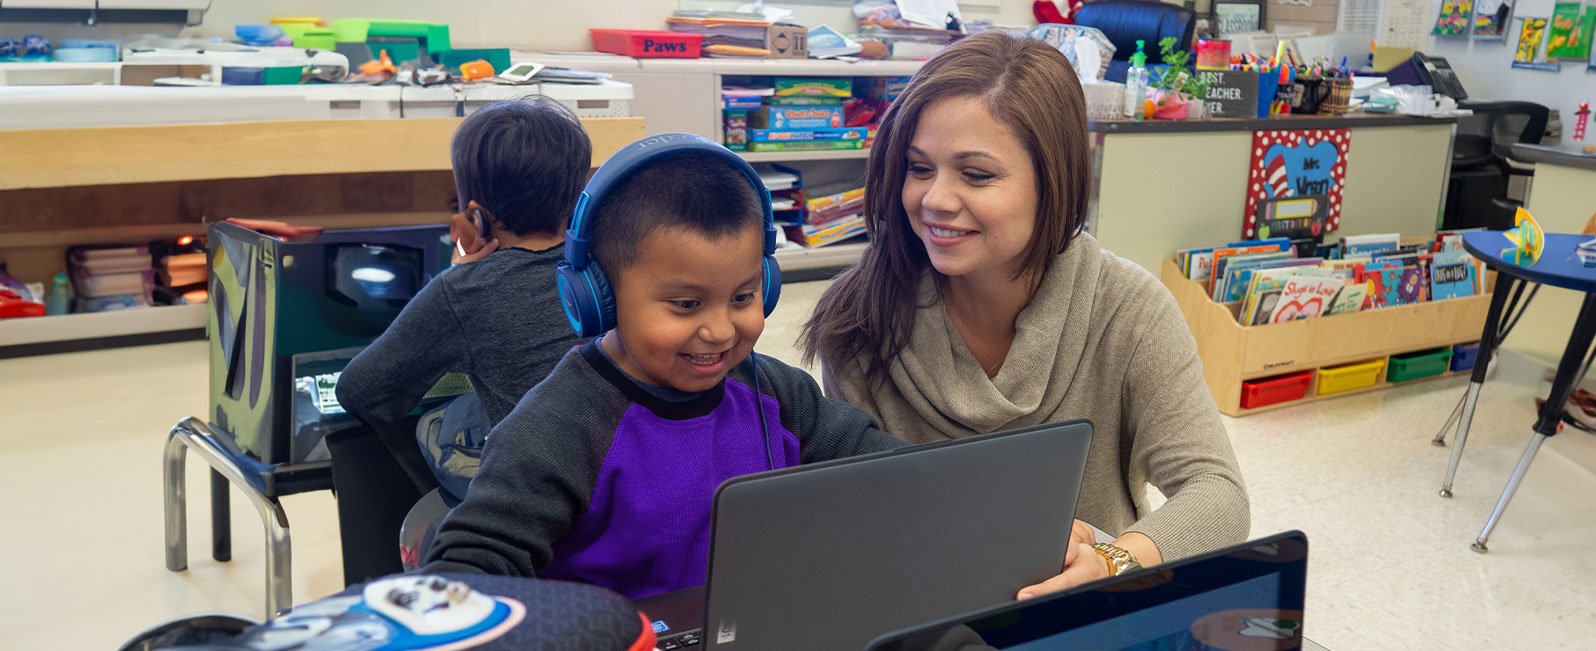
(1451, 280)
(1264, 307)
(1349, 299)
(1221, 254)
(1355, 245)
(1305, 297)
(1402, 286)
(1239, 273)
(1451, 240)
(1199, 264)
(1263, 283)
(1375, 298)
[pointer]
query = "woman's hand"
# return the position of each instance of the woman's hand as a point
(1082, 564)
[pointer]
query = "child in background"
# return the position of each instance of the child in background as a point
(518, 168)
(606, 471)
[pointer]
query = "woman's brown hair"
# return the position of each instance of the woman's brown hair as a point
(1029, 87)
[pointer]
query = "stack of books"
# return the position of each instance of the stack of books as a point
(1272, 284)
(111, 278)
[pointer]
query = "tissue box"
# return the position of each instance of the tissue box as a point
(1105, 100)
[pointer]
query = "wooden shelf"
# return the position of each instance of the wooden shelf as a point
(116, 323)
(152, 154)
(147, 233)
(1232, 353)
(836, 255)
(795, 156)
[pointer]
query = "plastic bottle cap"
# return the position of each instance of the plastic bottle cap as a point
(1139, 59)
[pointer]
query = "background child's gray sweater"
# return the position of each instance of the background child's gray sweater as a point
(498, 320)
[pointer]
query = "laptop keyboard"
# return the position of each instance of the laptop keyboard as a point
(682, 640)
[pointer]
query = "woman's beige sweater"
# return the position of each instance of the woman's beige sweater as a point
(1101, 340)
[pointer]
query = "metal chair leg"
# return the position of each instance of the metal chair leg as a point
(1507, 493)
(1440, 437)
(1465, 419)
(174, 486)
(221, 519)
(192, 434)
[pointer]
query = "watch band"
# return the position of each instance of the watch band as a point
(1119, 559)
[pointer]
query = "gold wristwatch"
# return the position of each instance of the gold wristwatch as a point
(1120, 561)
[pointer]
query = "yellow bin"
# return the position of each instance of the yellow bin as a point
(1346, 377)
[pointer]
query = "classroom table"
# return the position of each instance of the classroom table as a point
(1558, 266)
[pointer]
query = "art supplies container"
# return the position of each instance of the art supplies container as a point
(1463, 356)
(1421, 364)
(645, 44)
(1346, 377)
(1268, 83)
(1213, 54)
(1339, 99)
(1311, 93)
(1263, 392)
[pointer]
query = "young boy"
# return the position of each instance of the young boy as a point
(518, 169)
(606, 471)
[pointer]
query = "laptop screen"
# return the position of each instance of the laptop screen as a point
(1243, 598)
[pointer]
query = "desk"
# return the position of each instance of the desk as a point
(1161, 186)
(1558, 267)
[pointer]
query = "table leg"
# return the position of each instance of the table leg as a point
(1488, 342)
(1551, 414)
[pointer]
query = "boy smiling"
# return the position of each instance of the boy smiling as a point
(605, 473)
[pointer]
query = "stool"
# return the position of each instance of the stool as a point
(1558, 267)
(262, 483)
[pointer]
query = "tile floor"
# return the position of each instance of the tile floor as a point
(81, 439)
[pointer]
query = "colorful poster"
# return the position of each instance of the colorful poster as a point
(1530, 36)
(1308, 164)
(1454, 18)
(1491, 20)
(1564, 37)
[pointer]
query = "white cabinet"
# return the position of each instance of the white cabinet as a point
(47, 4)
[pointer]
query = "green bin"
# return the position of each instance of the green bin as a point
(1420, 364)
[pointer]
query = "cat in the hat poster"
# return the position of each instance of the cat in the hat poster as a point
(1295, 182)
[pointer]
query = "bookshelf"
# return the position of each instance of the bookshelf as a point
(802, 156)
(1232, 353)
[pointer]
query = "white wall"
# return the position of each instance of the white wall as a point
(1487, 72)
(551, 24)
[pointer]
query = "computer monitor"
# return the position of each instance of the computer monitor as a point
(286, 316)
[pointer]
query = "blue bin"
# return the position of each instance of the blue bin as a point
(1463, 356)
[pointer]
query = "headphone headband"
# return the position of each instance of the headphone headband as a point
(626, 161)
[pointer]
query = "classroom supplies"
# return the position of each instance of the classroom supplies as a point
(1136, 84)
(796, 117)
(812, 145)
(641, 43)
(840, 88)
(1527, 239)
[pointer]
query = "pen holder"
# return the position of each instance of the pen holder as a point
(1268, 84)
(1339, 99)
(1311, 93)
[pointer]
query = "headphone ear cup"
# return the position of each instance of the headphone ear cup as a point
(604, 298)
(581, 308)
(771, 291)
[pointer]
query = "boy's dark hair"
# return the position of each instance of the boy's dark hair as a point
(524, 160)
(696, 190)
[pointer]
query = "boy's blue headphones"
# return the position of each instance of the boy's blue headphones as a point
(584, 290)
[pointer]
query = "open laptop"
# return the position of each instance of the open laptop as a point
(1238, 599)
(831, 555)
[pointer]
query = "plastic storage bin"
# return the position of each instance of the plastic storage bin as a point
(1271, 390)
(647, 44)
(1346, 377)
(1463, 356)
(1421, 364)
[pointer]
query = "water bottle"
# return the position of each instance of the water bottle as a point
(60, 299)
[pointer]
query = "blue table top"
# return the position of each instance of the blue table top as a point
(1558, 266)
